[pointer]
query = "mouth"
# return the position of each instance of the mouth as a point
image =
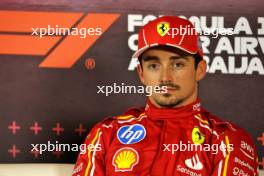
(170, 89)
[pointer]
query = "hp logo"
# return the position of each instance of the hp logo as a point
(131, 134)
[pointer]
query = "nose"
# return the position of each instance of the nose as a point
(166, 76)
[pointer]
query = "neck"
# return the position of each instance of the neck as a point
(182, 112)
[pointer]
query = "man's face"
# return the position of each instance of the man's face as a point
(174, 69)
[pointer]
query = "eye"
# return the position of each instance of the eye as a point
(153, 66)
(178, 65)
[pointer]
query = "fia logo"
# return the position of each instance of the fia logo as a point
(131, 134)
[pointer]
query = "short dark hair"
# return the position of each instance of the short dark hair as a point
(197, 59)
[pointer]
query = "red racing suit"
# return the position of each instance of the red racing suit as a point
(167, 142)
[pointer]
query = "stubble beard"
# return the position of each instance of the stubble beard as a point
(168, 103)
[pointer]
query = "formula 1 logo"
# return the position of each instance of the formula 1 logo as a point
(64, 51)
(163, 28)
(131, 134)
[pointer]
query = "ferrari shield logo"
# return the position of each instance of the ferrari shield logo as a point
(163, 28)
(197, 136)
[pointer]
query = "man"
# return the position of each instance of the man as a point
(173, 135)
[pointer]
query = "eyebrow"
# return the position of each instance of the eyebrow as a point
(150, 58)
(178, 57)
(155, 58)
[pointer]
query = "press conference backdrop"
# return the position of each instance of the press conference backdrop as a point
(49, 83)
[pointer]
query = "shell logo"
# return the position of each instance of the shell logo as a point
(125, 159)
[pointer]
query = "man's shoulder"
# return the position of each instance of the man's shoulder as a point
(228, 129)
(219, 123)
(241, 143)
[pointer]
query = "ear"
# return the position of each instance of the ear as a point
(201, 70)
(140, 74)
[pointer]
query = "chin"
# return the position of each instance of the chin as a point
(167, 100)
